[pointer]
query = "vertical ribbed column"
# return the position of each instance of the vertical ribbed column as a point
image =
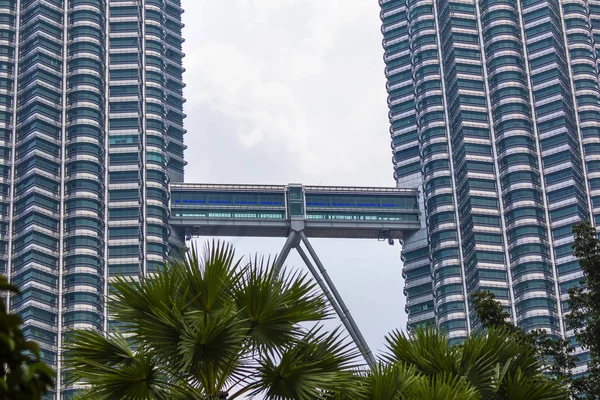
(62, 193)
(496, 148)
(473, 153)
(559, 140)
(83, 260)
(8, 25)
(174, 110)
(85, 157)
(174, 88)
(583, 68)
(439, 168)
(407, 160)
(582, 59)
(105, 300)
(580, 20)
(157, 159)
(38, 171)
(594, 18)
(474, 170)
(145, 131)
(518, 160)
(584, 46)
(125, 136)
(143, 135)
(8, 135)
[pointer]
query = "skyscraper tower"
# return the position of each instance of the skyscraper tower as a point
(90, 136)
(495, 116)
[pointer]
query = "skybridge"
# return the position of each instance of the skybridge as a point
(297, 212)
(268, 211)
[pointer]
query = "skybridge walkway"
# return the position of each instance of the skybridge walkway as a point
(267, 211)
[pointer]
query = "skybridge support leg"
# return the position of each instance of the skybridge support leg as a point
(297, 236)
(291, 242)
(364, 351)
(337, 302)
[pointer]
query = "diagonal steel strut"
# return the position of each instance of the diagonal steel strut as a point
(291, 242)
(356, 336)
(342, 310)
(328, 288)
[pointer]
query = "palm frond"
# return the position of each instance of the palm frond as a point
(441, 387)
(87, 349)
(138, 380)
(211, 348)
(7, 287)
(208, 280)
(390, 381)
(484, 357)
(274, 302)
(152, 309)
(113, 369)
(519, 386)
(428, 350)
(309, 368)
(489, 364)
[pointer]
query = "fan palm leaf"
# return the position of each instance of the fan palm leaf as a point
(428, 350)
(114, 370)
(211, 349)
(486, 363)
(203, 326)
(273, 303)
(482, 358)
(309, 368)
(519, 386)
(208, 280)
(152, 308)
(440, 387)
(389, 381)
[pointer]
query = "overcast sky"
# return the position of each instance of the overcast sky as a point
(282, 91)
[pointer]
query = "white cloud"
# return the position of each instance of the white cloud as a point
(287, 69)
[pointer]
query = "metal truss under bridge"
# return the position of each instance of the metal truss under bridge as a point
(297, 213)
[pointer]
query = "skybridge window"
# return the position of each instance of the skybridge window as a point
(233, 199)
(354, 201)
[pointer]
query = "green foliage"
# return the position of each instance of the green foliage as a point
(293, 377)
(490, 312)
(22, 374)
(583, 319)
(584, 304)
(553, 352)
(211, 328)
(490, 366)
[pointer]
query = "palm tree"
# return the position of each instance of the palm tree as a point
(490, 365)
(213, 328)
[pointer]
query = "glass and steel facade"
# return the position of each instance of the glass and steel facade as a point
(494, 108)
(91, 135)
(269, 202)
